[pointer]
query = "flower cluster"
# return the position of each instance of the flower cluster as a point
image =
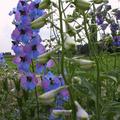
(26, 41)
(104, 18)
(27, 47)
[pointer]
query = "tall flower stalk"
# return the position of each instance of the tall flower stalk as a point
(62, 62)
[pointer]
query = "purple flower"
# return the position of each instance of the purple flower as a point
(35, 12)
(114, 27)
(2, 60)
(117, 14)
(22, 35)
(28, 81)
(104, 26)
(99, 19)
(23, 63)
(50, 82)
(34, 48)
(116, 40)
(50, 63)
(40, 68)
(107, 7)
(18, 49)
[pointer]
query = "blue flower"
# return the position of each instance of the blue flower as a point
(114, 27)
(28, 81)
(99, 19)
(2, 60)
(34, 48)
(23, 63)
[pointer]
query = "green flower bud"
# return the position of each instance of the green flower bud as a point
(98, 1)
(70, 30)
(41, 21)
(76, 80)
(84, 64)
(46, 56)
(47, 101)
(44, 4)
(81, 4)
(57, 113)
(51, 94)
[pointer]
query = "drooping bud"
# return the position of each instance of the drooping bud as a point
(41, 21)
(81, 4)
(57, 113)
(50, 95)
(81, 113)
(46, 56)
(84, 64)
(47, 101)
(44, 4)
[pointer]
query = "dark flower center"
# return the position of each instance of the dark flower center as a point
(51, 81)
(29, 79)
(36, 5)
(22, 12)
(1, 58)
(23, 59)
(23, 3)
(22, 31)
(14, 42)
(34, 47)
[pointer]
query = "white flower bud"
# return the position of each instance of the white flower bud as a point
(69, 42)
(57, 113)
(81, 113)
(50, 95)
(84, 64)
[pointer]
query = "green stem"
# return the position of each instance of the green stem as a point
(93, 51)
(37, 102)
(62, 64)
(98, 86)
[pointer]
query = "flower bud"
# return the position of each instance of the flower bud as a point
(82, 4)
(41, 21)
(98, 1)
(69, 42)
(51, 94)
(76, 80)
(44, 4)
(57, 113)
(81, 113)
(70, 30)
(46, 56)
(84, 64)
(47, 101)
